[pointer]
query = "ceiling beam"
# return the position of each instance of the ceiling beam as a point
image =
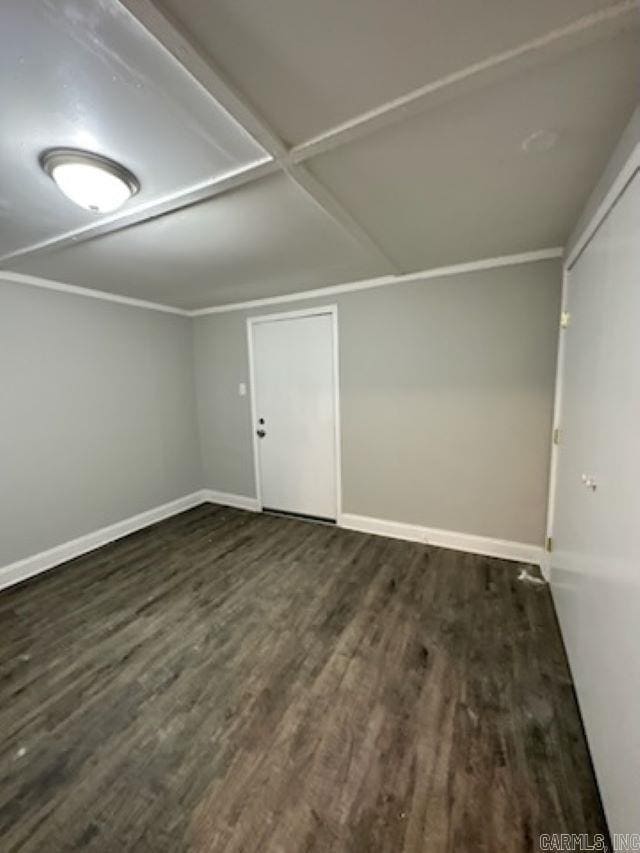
(201, 68)
(215, 85)
(578, 33)
(603, 23)
(327, 202)
(145, 212)
(168, 33)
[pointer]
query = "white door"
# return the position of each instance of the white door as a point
(294, 413)
(595, 563)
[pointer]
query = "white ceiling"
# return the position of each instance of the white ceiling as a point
(88, 75)
(233, 214)
(310, 65)
(454, 183)
(197, 257)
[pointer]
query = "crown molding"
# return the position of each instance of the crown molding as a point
(383, 281)
(619, 185)
(62, 287)
(148, 211)
(348, 287)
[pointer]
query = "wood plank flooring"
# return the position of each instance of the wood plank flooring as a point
(227, 681)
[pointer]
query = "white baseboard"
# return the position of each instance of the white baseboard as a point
(227, 499)
(43, 561)
(521, 552)
(29, 566)
(545, 565)
(22, 569)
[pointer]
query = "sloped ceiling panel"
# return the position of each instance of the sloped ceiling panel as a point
(264, 239)
(455, 184)
(310, 65)
(86, 74)
(444, 186)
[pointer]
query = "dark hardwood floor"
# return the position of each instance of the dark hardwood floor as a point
(225, 681)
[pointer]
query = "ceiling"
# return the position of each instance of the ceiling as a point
(290, 145)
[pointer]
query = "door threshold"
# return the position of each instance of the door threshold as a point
(300, 516)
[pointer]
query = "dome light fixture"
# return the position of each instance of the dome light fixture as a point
(90, 180)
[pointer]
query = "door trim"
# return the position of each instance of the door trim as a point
(332, 311)
(556, 422)
(629, 173)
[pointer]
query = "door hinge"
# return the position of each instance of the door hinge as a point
(548, 545)
(556, 435)
(565, 319)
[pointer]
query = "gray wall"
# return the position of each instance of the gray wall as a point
(446, 400)
(97, 415)
(446, 395)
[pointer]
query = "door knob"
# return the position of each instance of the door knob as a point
(260, 433)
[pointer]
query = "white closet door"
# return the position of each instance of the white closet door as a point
(294, 397)
(596, 559)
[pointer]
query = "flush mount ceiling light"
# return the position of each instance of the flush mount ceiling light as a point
(90, 180)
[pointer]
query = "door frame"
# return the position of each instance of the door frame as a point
(332, 311)
(626, 174)
(556, 426)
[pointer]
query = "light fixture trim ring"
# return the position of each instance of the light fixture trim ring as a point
(52, 157)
